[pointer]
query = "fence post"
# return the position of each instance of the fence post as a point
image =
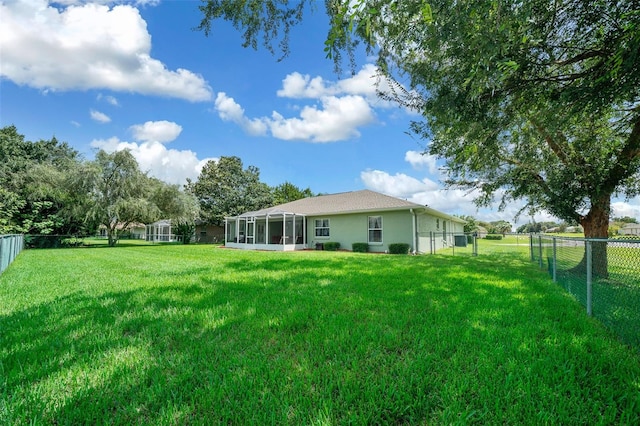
(540, 251)
(554, 260)
(475, 244)
(531, 246)
(589, 278)
(453, 246)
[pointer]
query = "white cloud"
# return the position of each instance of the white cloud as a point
(399, 185)
(339, 109)
(418, 160)
(298, 86)
(429, 193)
(170, 165)
(108, 99)
(629, 208)
(99, 116)
(87, 46)
(229, 110)
(460, 202)
(156, 131)
(337, 119)
(136, 2)
(365, 83)
(432, 194)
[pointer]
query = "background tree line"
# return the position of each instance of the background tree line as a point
(504, 227)
(47, 188)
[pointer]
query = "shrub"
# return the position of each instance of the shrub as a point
(44, 241)
(399, 248)
(493, 237)
(360, 247)
(331, 246)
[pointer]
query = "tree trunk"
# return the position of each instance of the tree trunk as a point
(596, 225)
(112, 236)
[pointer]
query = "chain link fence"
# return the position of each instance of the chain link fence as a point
(454, 243)
(603, 275)
(10, 247)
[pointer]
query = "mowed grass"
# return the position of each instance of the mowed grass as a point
(204, 335)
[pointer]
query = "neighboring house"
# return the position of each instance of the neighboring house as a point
(630, 229)
(575, 229)
(347, 218)
(160, 231)
(136, 231)
(206, 233)
(481, 232)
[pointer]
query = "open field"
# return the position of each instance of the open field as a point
(510, 244)
(203, 335)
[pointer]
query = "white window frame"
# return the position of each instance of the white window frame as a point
(325, 223)
(369, 229)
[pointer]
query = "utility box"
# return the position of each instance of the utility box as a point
(460, 240)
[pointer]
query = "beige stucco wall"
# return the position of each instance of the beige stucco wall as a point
(347, 229)
(397, 227)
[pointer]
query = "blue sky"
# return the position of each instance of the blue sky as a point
(134, 74)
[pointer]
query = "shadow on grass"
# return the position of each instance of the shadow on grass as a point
(302, 338)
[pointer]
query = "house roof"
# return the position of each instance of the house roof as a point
(344, 203)
(121, 226)
(631, 226)
(347, 202)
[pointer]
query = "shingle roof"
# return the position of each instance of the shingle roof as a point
(345, 202)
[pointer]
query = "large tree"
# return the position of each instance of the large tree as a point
(287, 192)
(119, 193)
(531, 100)
(34, 191)
(225, 188)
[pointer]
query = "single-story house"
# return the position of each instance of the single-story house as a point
(630, 229)
(135, 230)
(206, 233)
(346, 218)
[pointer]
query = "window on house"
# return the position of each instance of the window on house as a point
(437, 224)
(375, 229)
(322, 227)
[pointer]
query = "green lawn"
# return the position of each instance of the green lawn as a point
(204, 335)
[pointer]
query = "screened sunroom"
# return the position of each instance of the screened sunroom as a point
(268, 229)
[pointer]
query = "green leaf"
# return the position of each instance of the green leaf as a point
(427, 15)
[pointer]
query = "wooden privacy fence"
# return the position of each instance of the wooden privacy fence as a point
(10, 247)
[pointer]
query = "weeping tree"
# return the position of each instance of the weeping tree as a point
(530, 100)
(118, 193)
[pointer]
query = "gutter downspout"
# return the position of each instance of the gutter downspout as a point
(413, 227)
